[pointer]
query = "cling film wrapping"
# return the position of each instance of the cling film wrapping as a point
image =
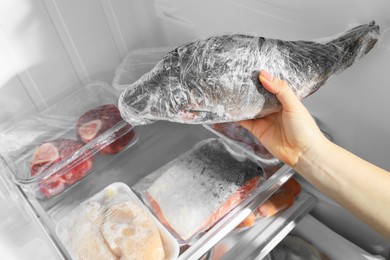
(215, 80)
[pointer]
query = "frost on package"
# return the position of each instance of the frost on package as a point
(191, 193)
(215, 80)
(114, 224)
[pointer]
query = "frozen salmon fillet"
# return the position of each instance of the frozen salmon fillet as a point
(194, 191)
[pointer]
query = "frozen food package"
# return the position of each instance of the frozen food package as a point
(114, 224)
(215, 79)
(135, 64)
(49, 152)
(240, 138)
(192, 192)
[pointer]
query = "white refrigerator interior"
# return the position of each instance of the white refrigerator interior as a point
(52, 47)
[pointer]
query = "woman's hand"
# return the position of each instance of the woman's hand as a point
(293, 136)
(289, 133)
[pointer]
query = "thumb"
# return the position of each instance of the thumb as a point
(283, 92)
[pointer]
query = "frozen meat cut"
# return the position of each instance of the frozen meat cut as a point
(96, 121)
(111, 225)
(197, 189)
(85, 240)
(50, 154)
(215, 80)
(131, 234)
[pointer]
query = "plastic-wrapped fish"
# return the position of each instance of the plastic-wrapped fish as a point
(215, 80)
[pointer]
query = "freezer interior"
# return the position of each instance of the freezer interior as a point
(52, 48)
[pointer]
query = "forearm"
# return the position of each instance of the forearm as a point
(355, 184)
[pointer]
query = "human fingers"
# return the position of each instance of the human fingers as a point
(283, 92)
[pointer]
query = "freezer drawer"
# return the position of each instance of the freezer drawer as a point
(159, 143)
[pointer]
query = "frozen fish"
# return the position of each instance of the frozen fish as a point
(131, 234)
(193, 192)
(215, 80)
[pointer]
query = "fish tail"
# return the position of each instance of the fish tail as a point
(354, 44)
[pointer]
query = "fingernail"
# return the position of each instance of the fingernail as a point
(266, 75)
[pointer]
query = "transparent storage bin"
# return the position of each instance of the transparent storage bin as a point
(191, 193)
(50, 152)
(154, 149)
(258, 240)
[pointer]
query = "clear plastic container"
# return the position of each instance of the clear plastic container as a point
(168, 143)
(112, 224)
(258, 240)
(194, 191)
(55, 149)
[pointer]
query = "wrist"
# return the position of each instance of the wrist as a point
(310, 157)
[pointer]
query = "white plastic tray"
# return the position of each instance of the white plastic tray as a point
(117, 193)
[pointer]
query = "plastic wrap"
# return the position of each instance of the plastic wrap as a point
(191, 193)
(114, 224)
(215, 80)
(242, 140)
(55, 149)
(135, 64)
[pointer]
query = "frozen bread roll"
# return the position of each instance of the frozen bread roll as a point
(130, 233)
(85, 238)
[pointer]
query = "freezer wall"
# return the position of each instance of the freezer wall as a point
(50, 47)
